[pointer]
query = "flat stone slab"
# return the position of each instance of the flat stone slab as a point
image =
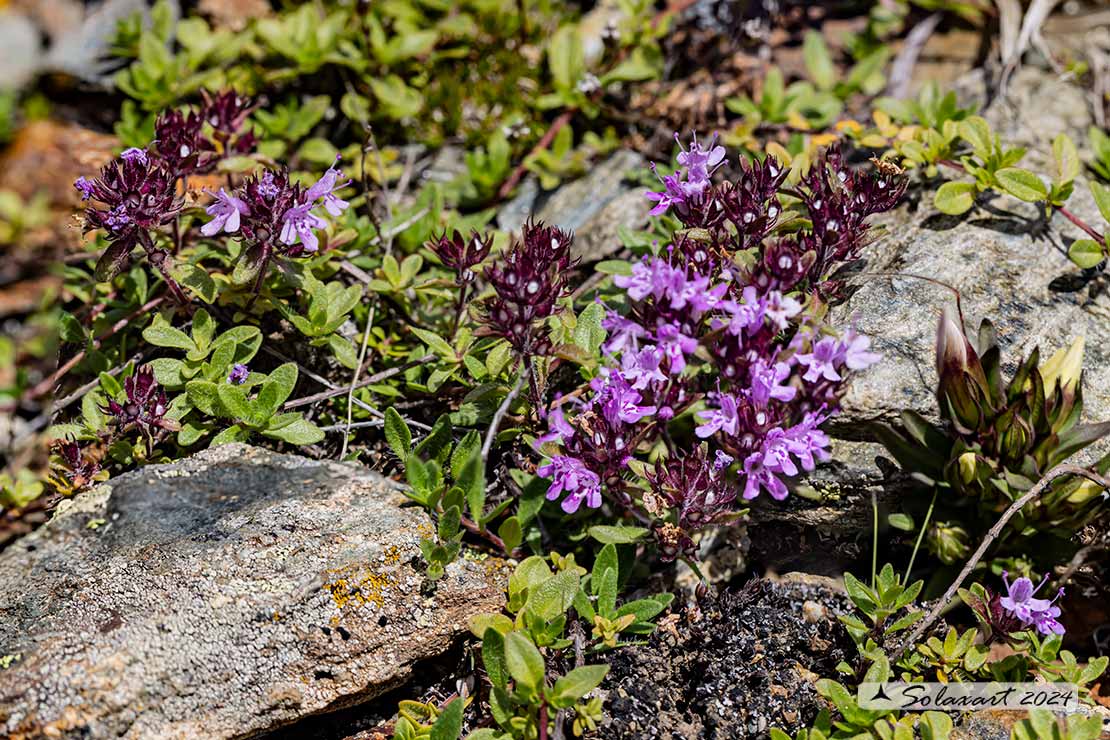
(222, 596)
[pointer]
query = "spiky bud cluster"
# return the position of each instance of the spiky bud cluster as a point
(527, 282)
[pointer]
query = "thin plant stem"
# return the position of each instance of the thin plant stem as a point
(921, 534)
(874, 538)
(498, 416)
(354, 379)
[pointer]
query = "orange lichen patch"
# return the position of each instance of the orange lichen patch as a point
(392, 555)
(357, 585)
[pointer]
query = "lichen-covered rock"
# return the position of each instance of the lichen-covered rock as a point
(222, 596)
(740, 664)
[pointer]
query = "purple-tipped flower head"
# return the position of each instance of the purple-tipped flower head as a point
(461, 254)
(238, 374)
(528, 281)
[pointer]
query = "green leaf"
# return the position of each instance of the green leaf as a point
(977, 132)
(197, 279)
(493, 657)
(1086, 253)
(523, 661)
(565, 57)
(576, 684)
(1101, 194)
(818, 62)
(955, 198)
(588, 333)
(606, 560)
(234, 401)
(161, 334)
(1021, 184)
(552, 597)
(510, 533)
(397, 434)
(204, 395)
(1066, 157)
(903, 522)
(617, 535)
(282, 380)
(448, 725)
(395, 98)
(436, 343)
(297, 431)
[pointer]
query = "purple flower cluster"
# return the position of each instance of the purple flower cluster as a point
(685, 189)
(78, 469)
(527, 282)
(138, 193)
(133, 195)
(274, 214)
(1021, 604)
(145, 407)
(193, 142)
(740, 343)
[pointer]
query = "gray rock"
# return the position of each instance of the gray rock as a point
(222, 596)
(20, 50)
(594, 207)
(1007, 264)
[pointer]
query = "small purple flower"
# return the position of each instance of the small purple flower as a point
(650, 277)
(298, 223)
(766, 382)
(134, 154)
(807, 442)
(225, 212)
(267, 188)
(822, 361)
(238, 374)
(1040, 613)
(325, 188)
(570, 476)
(700, 162)
(758, 476)
(1046, 622)
(672, 194)
(558, 430)
(84, 186)
(621, 402)
(642, 368)
(746, 316)
(723, 418)
(776, 453)
(624, 334)
(722, 460)
(780, 309)
(855, 351)
(117, 219)
(675, 345)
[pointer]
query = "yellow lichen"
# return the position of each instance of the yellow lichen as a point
(357, 585)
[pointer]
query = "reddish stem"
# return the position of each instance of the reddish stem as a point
(543, 721)
(47, 385)
(543, 143)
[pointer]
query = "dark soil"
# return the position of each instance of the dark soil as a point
(733, 667)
